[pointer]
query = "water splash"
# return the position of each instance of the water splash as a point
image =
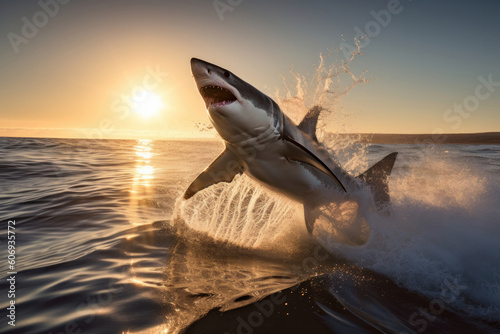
(325, 86)
(242, 213)
(442, 229)
(331, 79)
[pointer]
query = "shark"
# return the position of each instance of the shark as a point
(262, 142)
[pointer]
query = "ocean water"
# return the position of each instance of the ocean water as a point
(104, 244)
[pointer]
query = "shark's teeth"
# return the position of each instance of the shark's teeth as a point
(216, 95)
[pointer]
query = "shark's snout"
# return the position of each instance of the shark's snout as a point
(211, 83)
(200, 68)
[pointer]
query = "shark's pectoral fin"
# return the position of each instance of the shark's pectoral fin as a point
(296, 152)
(223, 169)
(377, 177)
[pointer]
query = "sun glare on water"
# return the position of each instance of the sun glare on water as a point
(147, 104)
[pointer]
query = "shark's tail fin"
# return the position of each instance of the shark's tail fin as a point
(377, 177)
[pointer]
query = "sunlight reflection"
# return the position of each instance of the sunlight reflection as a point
(138, 282)
(144, 154)
(144, 171)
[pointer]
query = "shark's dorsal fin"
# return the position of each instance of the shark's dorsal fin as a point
(297, 152)
(223, 169)
(310, 121)
(377, 177)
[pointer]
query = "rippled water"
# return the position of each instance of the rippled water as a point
(104, 245)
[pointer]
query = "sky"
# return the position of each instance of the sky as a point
(120, 69)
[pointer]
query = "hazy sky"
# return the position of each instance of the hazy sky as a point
(74, 66)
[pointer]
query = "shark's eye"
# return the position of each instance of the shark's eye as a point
(227, 74)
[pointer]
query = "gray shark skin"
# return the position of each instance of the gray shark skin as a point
(262, 142)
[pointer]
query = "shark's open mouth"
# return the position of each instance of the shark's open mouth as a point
(216, 96)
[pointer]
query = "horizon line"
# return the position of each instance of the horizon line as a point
(185, 135)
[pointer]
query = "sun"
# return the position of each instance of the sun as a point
(147, 104)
